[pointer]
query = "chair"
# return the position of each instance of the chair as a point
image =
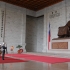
(64, 31)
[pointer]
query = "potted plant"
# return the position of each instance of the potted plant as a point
(20, 50)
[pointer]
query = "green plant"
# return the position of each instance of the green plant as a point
(19, 46)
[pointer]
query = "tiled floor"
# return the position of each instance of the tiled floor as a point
(35, 65)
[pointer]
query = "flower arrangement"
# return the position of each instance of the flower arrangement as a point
(20, 50)
(19, 46)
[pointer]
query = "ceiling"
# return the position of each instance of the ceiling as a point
(34, 5)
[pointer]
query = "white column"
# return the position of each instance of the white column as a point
(23, 30)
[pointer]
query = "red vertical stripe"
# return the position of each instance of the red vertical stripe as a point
(49, 37)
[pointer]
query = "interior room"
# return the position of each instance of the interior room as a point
(36, 34)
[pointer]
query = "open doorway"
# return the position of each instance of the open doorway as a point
(34, 33)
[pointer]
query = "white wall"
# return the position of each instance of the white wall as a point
(63, 8)
(40, 28)
(55, 21)
(31, 34)
(34, 34)
(15, 25)
(30, 13)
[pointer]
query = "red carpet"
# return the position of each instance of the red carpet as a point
(47, 59)
(10, 60)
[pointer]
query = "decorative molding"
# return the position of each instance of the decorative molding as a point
(54, 14)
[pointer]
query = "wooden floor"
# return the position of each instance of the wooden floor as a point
(35, 65)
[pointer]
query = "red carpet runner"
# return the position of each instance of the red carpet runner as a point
(47, 59)
(10, 60)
